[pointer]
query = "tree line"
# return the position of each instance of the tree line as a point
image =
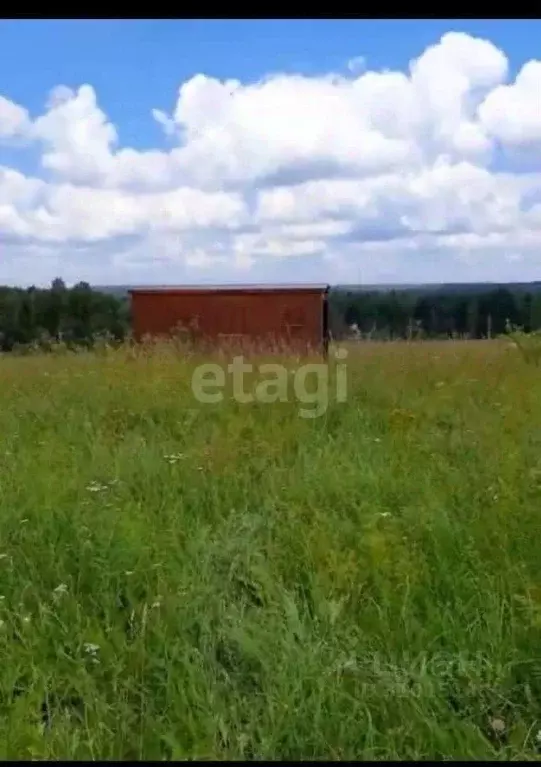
(79, 315)
(462, 312)
(76, 316)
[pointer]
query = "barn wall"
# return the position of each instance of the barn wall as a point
(289, 315)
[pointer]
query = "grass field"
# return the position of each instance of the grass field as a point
(232, 581)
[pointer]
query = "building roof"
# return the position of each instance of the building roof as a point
(258, 288)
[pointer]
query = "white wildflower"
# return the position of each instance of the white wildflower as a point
(60, 590)
(497, 725)
(96, 487)
(385, 514)
(92, 651)
(174, 457)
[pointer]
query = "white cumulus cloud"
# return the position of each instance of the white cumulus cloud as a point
(399, 176)
(14, 121)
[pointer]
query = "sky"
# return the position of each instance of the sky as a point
(196, 151)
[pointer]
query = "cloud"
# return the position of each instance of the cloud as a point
(374, 175)
(14, 120)
(512, 113)
(357, 64)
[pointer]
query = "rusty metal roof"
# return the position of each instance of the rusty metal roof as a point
(258, 288)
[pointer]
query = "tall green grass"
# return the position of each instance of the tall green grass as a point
(232, 581)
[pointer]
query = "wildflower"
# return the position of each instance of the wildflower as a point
(26, 619)
(90, 648)
(385, 514)
(157, 602)
(128, 572)
(24, 521)
(497, 725)
(96, 487)
(174, 457)
(92, 651)
(60, 590)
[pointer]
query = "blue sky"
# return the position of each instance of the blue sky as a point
(138, 65)
(135, 66)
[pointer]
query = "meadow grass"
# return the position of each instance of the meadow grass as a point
(187, 581)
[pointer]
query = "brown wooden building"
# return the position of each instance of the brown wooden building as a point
(296, 315)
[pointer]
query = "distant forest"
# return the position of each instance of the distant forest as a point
(77, 316)
(454, 311)
(81, 314)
